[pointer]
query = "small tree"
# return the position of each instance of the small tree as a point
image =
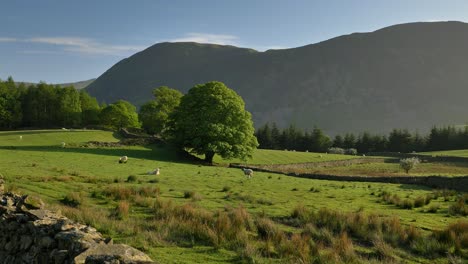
(211, 119)
(409, 163)
(119, 115)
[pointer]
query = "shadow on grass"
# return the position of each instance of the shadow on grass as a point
(150, 152)
(25, 132)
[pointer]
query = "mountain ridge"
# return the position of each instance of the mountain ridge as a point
(394, 77)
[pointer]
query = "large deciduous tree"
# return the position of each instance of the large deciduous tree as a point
(211, 119)
(154, 115)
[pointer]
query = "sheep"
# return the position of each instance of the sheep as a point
(154, 172)
(63, 144)
(64, 129)
(21, 137)
(248, 172)
(123, 159)
(363, 155)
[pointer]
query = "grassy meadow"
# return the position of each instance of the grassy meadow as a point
(453, 153)
(192, 213)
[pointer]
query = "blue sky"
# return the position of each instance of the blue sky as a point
(65, 41)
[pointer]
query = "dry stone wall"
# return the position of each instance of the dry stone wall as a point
(29, 234)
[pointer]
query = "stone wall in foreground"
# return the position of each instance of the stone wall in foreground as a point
(29, 234)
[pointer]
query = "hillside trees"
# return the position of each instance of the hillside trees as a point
(211, 119)
(154, 115)
(119, 115)
(90, 109)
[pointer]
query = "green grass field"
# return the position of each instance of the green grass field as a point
(38, 165)
(266, 156)
(453, 153)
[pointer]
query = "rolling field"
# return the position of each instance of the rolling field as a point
(150, 212)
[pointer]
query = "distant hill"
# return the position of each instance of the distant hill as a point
(77, 85)
(405, 76)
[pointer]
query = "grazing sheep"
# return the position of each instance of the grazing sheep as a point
(248, 172)
(21, 137)
(123, 159)
(64, 129)
(63, 144)
(154, 172)
(363, 155)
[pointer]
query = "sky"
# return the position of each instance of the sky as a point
(59, 41)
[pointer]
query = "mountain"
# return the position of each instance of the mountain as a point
(77, 85)
(404, 76)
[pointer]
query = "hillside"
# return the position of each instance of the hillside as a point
(406, 76)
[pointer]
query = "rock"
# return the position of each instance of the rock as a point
(33, 202)
(25, 242)
(43, 236)
(122, 253)
(59, 256)
(46, 242)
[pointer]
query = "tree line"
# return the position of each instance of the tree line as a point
(45, 106)
(398, 140)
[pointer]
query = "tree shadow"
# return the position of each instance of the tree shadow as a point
(151, 152)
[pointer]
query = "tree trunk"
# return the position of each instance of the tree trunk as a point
(209, 157)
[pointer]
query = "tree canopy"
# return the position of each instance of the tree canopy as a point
(154, 115)
(211, 119)
(119, 114)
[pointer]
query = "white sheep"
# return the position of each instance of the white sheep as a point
(21, 137)
(63, 144)
(123, 159)
(363, 155)
(64, 129)
(248, 172)
(154, 172)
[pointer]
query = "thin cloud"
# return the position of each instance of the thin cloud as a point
(77, 45)
(8, 40)
(208, 38)
(86, 45)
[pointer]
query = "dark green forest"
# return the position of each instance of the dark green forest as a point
(270, 136)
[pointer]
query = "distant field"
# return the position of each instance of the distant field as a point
(454, 153)
(37, 165)
(266, 156)
(54, 137)
(452, 169)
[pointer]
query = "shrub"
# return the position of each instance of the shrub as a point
(119, 192)
(419, 201)
(73, 199)
(336, 151)
(121, 210)
(406, 204)
(409, 163)
(131, 178)
(267, 230)
(383, 250)
(344, 247)
(433, 208)
(226, 189)
(350, 151)
(458, 208)
(193, 195)
(148, 191)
